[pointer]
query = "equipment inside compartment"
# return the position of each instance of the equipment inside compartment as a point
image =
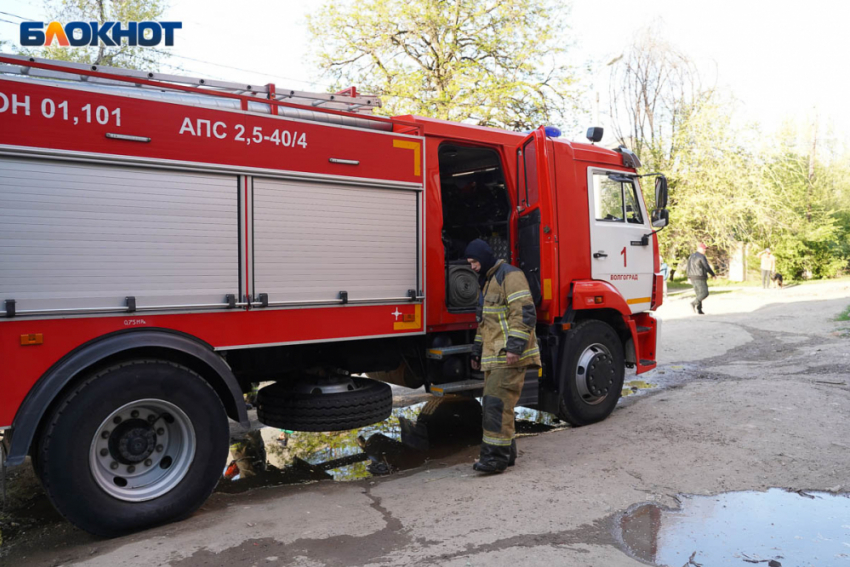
(475, 205)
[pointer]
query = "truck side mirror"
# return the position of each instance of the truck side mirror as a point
(660, 218)
(660, 192)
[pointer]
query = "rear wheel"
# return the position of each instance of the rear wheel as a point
(139, 444)
(592, 374)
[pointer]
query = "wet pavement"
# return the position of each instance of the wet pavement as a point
(776, 528)
(635, 386)
(433, 431)
(409, 438)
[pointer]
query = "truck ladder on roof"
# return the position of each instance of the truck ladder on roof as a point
(346, 101)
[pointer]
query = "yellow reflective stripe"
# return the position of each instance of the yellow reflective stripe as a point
(519, 334)
(501, 357)
(519, 295)
(496, 441)
(529, 353)
(490, 309)
(503, 321)
(417, 155)
(479, 339)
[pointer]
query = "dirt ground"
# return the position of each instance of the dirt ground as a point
(753, 395)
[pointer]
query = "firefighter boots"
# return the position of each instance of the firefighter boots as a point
(502, 388)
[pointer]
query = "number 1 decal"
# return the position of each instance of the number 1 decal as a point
(624, 256)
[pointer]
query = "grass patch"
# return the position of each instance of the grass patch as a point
(824, 280)
(678, 284)
(844, 315)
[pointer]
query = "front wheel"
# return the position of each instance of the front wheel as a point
(138, 444)
(592, 374)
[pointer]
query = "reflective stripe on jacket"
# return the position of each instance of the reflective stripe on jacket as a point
(506, 319)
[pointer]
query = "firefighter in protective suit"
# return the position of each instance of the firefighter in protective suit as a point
(505, 347)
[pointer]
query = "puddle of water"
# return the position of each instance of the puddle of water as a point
(774, 528)
(534, 421)
(411, 436)
(635, 386)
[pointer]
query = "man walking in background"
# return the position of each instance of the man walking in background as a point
(505, 347)
(698, 272)
(768, 266)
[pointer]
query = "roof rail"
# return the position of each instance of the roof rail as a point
(345, 102)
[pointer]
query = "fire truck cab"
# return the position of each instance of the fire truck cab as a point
(167, 243)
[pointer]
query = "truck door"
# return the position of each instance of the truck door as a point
(618, 224)
(534, 211)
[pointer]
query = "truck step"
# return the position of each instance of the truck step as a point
(442, 352)
(529, 395)
(441, 390)
(643, 329)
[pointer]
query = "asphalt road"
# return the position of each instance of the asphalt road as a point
(753, 395)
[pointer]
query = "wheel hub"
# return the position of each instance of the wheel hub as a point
(600, 375)
(334, 384)
(595, 373)
(142, 450)
(133, 441)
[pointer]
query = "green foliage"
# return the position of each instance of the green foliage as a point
(811, 227)
(844, 315)
(495, 62)
(124, 56)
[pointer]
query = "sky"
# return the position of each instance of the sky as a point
(780, 60)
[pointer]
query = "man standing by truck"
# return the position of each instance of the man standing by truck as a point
(505, 348)
(698, 271)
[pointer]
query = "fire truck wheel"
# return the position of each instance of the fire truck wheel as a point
(135, 445)
(367, 402)
(593, 373)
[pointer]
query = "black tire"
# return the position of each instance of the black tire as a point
(579, 407)
(369, 403)
(69, 434)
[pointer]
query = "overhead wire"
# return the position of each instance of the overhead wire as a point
(14, 15)
(182, 69)
(312, 83)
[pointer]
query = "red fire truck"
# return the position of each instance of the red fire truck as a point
(166, 243)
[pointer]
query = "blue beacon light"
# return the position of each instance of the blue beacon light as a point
(552, 131)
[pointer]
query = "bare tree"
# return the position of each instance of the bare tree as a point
(653, 89)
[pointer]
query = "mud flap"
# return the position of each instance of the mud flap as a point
(530, 388)
(3, 470)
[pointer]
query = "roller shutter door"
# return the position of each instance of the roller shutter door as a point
(312, 241)
(87, 236)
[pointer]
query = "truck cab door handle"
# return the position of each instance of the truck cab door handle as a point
(600, 255)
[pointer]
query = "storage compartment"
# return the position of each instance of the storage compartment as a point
(314, 240)
(85, 236)
(475, 205)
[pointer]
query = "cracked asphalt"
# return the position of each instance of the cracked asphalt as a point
(753, 395)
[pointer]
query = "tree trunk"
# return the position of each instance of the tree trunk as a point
(811, 170)
(101, 18)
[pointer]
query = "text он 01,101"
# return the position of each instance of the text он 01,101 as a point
(88, 114)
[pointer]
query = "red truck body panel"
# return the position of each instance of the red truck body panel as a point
(45, 120)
